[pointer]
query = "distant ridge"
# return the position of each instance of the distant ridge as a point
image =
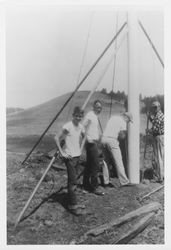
(33, 121)
(11, 110)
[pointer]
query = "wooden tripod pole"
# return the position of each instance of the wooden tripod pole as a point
(35, 190)
(104, 71)
(73, 93)
(101, 77)
(155, 50)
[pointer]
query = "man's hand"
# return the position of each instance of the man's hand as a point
(148, 131)
(150, 115)
(122, 135)
(65, 155)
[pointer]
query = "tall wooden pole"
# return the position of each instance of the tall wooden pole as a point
(133, 100)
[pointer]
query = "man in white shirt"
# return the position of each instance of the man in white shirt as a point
(115, 128)
(92, 168)
(72, 135)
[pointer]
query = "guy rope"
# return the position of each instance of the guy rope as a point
(83, 59)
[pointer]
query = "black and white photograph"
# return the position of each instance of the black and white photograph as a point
(85, 124)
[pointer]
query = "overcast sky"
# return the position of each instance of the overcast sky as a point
(45, 47)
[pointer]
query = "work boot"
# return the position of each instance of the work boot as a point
(77, 209)
(128, 184)
(98, 191)
(110, 185)
(75, 206)
(78, 212)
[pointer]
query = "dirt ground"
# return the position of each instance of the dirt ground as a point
(47, 221)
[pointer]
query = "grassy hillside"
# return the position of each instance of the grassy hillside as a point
(10, 110)
(34, 121)
(24, 128)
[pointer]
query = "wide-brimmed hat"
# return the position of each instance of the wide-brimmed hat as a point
(129, 116)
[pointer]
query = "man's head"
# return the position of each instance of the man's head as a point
(127, 117)
(78, 114)
(155, 106)
(97, 107)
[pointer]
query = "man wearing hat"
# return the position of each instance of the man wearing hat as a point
(156, 118)
(115, 129)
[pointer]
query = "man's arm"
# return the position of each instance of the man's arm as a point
(150, 116)
(83, 140)
(84, 133)
(58, 140)
(86, 122)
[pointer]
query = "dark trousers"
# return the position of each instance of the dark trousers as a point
(90, 178)
(72, 165)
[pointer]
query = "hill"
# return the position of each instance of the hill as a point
(34, 121)
(25, 127)
(10, 110)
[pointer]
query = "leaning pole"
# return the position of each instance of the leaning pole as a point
(73, 93)
(133, 100)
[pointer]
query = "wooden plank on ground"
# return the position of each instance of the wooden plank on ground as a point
(135, 230)
(154, 206)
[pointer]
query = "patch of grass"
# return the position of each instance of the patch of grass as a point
(25, 143)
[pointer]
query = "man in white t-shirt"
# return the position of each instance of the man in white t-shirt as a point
(92, 168)
(115, 128)
(72, 135)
